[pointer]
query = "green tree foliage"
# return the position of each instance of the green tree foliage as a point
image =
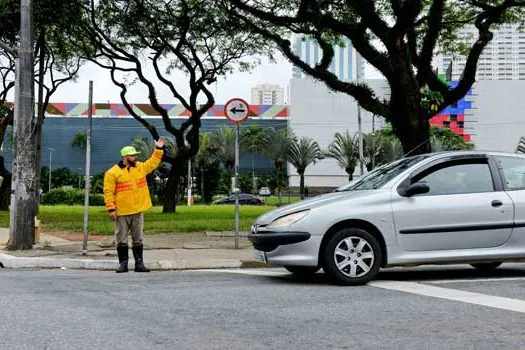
(345, 150)
(398, 38)
(251, 141)
(302, 153)
(276, 146)
(79, 140)
(222, 147)
(183, 36)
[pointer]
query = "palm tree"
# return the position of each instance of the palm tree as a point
(251, 141)
(345, 150)
(302, 153)
(222, 142)
(371, 149)
(205, 158)
(146, 146)
(391, 150)
(276, 145)
(521, 145)
(79, 140)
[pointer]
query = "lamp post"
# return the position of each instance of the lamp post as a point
(50, 169)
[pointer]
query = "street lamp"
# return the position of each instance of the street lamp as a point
(50, 169)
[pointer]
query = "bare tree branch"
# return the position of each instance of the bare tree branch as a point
(8, 49)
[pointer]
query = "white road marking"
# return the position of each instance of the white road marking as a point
(453, 294)
(493, 279)
(415, 288)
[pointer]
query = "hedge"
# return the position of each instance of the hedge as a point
(71, 197)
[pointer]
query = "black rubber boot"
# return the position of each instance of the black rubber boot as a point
(139, 261)
(123, 257)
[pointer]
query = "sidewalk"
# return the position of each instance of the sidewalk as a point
(161, 252)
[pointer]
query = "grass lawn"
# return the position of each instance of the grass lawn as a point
(197, 218)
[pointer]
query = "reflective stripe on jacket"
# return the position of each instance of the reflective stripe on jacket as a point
(126, 189)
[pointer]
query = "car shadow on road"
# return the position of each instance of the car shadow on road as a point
(445, 273)
(425, 273)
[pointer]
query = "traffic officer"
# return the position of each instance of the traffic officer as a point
(126, 196)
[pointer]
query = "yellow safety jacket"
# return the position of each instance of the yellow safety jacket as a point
(126, 189)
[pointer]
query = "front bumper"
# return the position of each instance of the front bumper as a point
(268, 241)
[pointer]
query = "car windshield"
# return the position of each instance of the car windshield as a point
(383, 174)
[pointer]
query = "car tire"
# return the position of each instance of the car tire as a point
(303, 271)
(352, 265)
(487, 266)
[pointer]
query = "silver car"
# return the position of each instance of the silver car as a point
(440, 208)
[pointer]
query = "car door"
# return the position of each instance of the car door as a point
(465, 208)
(512, 169)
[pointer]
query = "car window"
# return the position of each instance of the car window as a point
(383, 174)
(513, 170)
(457, 178)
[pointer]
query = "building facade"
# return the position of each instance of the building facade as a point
(267, 94)
(113, 128)
(502, 59)
(345, 63)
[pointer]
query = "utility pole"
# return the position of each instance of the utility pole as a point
(50, 167)
(359, 62)
(24, 193)
(88, 170)
(190, 183)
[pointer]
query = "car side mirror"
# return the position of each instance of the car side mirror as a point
(417, 188)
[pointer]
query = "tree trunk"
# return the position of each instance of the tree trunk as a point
(202, 186)
(22, 214)
(5, 188)
(254, 185)
(414, 137)
(301, 184)
(172, 192)
(409, 120)
(350, 172)
(278, 184)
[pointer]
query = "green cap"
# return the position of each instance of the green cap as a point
(128, 151)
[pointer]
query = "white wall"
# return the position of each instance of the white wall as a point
(495, 122)
(497, 119)
(319, 113)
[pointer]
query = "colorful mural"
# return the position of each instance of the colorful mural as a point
(453, 116)
(145, 110)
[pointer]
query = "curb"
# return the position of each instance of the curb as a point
(226, 234)
(110, 265)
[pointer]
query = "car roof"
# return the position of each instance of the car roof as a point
(430, 157)
(437, 155)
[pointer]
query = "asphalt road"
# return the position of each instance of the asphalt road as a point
(421, 308)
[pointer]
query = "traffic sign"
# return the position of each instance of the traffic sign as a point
(236, 110)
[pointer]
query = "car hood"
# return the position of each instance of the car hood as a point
(311, 203)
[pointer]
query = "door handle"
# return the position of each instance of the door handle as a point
(496, 203)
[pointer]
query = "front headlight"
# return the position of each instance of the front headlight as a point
(287, 220)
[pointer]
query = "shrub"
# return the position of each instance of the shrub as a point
(71, 197)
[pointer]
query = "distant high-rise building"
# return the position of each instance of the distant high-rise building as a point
(344, 64)
(502, 59)
(267, 94)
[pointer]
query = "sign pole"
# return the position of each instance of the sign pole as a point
(236, 189)
(236, 110)
(359, 122)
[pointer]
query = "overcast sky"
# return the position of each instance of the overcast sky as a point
(238, 84)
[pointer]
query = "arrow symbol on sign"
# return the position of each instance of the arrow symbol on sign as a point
(235, 110)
